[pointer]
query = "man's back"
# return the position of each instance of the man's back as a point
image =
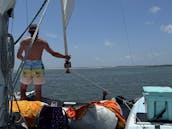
(36, 50)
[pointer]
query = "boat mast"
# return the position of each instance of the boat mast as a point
(6, 9)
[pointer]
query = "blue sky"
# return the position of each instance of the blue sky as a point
(103, 32)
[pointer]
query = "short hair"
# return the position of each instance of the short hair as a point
(32, 28)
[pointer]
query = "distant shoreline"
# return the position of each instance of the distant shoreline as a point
(109, 67)
(103, 67)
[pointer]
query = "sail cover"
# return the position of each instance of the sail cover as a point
(68, 6)
(6, 5)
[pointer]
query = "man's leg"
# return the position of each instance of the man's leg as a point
(38, 92)
(38, 78)
(23, 88)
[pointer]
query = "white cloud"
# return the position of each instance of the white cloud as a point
(97, 58)
(149, 23)
(128, 57)
(154, 54)
(51, 35)
(108, 44)
(154, 9)
(76, 47)
(166, 28)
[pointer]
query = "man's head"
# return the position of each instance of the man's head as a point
(32, 29)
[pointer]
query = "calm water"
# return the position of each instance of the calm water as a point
(84, 85)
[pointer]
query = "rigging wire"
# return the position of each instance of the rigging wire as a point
(56, 27)
(126, 32)
(27, 12)
(12, 96)
(36, 15)
(14, 82)
(125, 102)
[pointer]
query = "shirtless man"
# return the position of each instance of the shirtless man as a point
(33, 66)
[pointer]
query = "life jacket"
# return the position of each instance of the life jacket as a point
(28, 109)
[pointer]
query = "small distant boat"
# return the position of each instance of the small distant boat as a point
(153, 110)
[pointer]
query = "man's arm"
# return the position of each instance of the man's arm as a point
(55, 54)
(19, 53)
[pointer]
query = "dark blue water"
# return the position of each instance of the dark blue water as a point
(83, 85)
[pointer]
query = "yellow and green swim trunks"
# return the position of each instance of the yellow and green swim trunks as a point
(33, 71)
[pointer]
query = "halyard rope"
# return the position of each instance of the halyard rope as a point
(92, 82)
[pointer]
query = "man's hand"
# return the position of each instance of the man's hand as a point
(67, 57)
